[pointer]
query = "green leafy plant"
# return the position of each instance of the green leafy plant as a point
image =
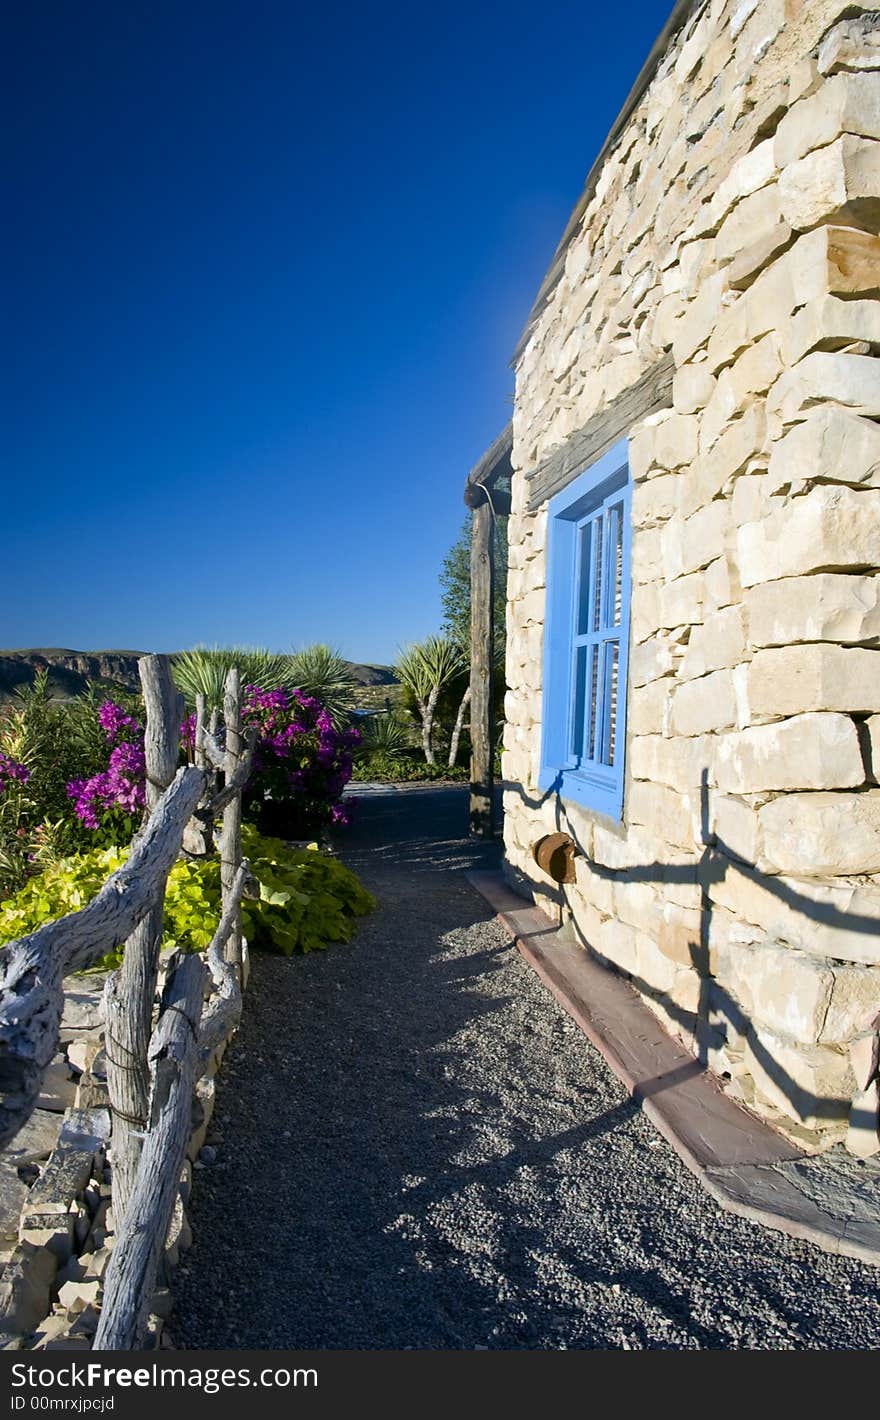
(425, 669)
(404, 768)
(387, 733)
(204, 669)
(307, 899)
(320, 671)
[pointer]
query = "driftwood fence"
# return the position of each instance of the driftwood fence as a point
(151, 1072)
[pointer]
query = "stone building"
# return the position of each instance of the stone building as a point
(693, 594)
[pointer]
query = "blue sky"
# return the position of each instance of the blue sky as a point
(266, 268)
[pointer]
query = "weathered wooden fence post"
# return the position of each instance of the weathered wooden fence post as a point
(129, 994)
(230, 843)
(131, 1276)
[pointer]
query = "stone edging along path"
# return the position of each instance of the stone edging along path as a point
(829, 1199)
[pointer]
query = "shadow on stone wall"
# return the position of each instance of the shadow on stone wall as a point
(710, 867)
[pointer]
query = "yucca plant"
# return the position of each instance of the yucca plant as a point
(319, 670)
(203, 670)
(387, 734)
(425, 668)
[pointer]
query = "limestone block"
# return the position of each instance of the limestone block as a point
(834, 920)
(654, 658)
(647, 555)
(680, 603)
(692, 388)
(852, 44)
(810, 1084)
(636, 903)
(748, 263)
(864, 1058)
(678, 762)
(616, 942)
(821, 833)
(653, 969)
(780, 988)
(830, 527)
(846, 103)
(749, 497)
(596, 889)
(754, 170)
(830, 323)
(836, 260)
(718, 413)
(750, 220)
(665, 812)
(701, 314)
(735, 826)
(842, 179)
(831, 443)
(704, 705)
(863, 1133)
(719, 643)
(851, 380)
(854, 1004)
(689, 544)
(721, 583)
(647, 710)
(656, 499)
(785, 680)
(810, 751)
(827, 606)
(675, 441)
(679, 936)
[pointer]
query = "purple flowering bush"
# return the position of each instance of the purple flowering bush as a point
(113, 799)
(301, 764)
(12, 773)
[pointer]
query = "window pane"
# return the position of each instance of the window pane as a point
(593, 702)
(585, 540)
(609, 736)
(615, 516)
(596, 589)
(576, 742)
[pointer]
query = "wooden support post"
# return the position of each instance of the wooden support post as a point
(230, 845)
(173, 1058)
(130, 991)
(482, 664)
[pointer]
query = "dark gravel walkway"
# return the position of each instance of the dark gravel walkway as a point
(420, 1150)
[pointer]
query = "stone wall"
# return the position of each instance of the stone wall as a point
(734, 224)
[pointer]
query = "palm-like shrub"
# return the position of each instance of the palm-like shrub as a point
(320, 671)
(387, 734)
(203, 671)
(425, 669)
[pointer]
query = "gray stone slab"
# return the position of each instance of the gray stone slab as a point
(12, 1198)
(35, 1139)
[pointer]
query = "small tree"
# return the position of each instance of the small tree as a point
(425, 669)
(455, 585)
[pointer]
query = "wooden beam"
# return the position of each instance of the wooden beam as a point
(649, 394)
(482, 662)
(495, 462)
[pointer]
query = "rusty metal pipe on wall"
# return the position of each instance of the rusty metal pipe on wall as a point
(555, 855)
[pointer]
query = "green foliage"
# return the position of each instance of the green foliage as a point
(320, 671)
(307, 899)
(57, 741)
(455, 586)
(404, 768)
(429, 664)
(388, 733)
(204, 669)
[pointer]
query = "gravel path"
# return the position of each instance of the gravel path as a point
(418, 1149)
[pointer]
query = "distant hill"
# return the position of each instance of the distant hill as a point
(70, 671)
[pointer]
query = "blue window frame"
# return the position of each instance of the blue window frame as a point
(586, 636)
